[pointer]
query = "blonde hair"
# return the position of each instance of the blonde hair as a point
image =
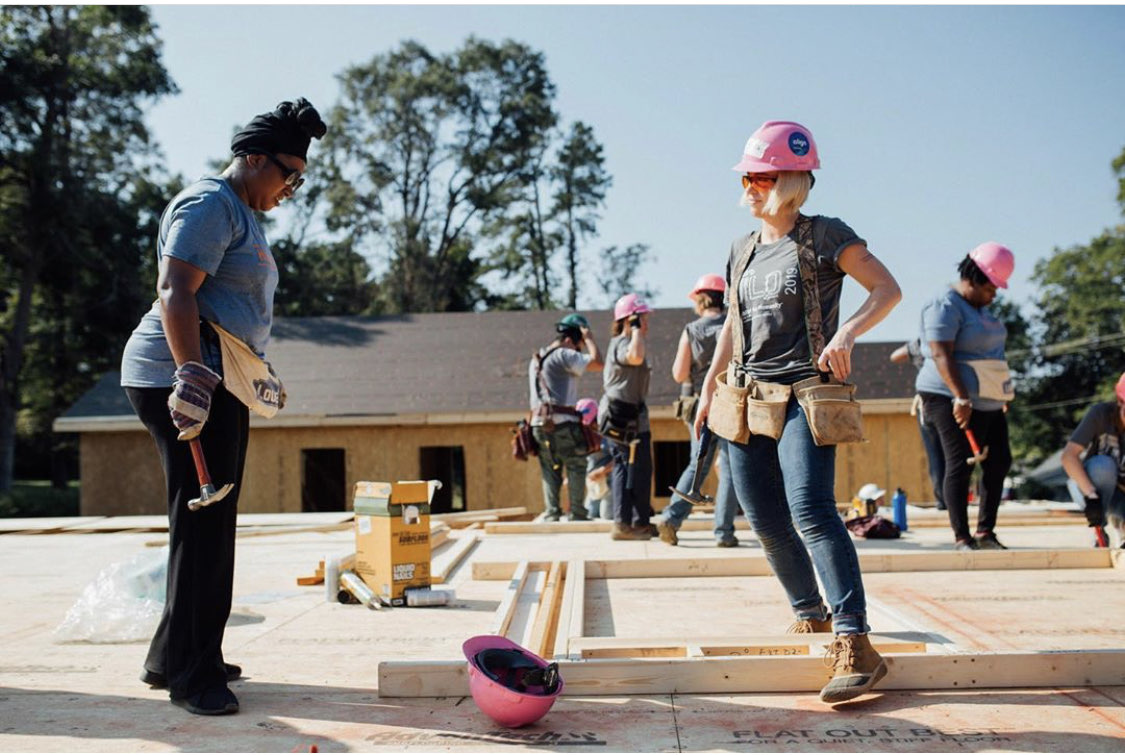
(787, 195)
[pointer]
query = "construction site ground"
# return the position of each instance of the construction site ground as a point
(311, 667)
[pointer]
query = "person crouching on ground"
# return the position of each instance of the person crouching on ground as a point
(771, 340)
(693, 359)
(1095, 463)
(214, 266)
(555, 422)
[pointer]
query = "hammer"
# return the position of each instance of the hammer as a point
(207, 493)
(632, 458)
(706, 440)
(978, 455)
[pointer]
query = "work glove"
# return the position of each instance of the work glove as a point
(1095, 512)
(190, 400)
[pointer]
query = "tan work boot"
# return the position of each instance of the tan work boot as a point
(857, 668)
(667, 532)
(625, 532)
(810, 626)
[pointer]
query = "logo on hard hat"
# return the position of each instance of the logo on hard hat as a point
(798, 144)
(755, 147)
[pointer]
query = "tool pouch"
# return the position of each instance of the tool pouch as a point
(727, 415)
(249, 377)
(833, 414)
(765, 408)
(621, 422)
(523, 442)
(684, 408)
(592, 438)
(994, 379)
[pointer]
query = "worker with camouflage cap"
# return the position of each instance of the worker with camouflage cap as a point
(556, 424)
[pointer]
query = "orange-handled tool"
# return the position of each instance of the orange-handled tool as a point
(207, 492)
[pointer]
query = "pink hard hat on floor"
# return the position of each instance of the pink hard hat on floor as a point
(510, 684)
(779, 145)
(630, 304)
(995, 261)
(709, 282)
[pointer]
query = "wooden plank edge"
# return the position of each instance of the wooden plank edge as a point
(502, 619)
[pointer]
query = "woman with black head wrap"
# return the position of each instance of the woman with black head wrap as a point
(215, 267)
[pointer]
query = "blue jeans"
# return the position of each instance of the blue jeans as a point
(632, 506)
(726, 504)
(935, 458)
(1102, 471)
(792, 480)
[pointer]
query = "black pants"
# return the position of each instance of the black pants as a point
(990, 429)
(632, 506)
(187, 646)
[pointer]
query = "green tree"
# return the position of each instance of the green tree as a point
(620, 269)
(582, 181)
(75, 216)
(423, 151)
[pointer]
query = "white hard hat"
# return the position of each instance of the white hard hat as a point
(870, 492)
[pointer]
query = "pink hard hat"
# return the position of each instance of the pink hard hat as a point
(779, 145)
(510, 684)
(1120, 389)
(588, 408)
(995, 261)
(630, 304)
(709, 282)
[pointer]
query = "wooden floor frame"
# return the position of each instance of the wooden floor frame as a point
(543, 609)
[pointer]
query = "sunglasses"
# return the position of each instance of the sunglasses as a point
(758, 181)
(291, 176)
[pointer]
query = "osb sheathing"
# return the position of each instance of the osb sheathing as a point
(121, 472)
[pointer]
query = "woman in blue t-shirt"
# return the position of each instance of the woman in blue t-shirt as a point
(964, 386)
(214, 265)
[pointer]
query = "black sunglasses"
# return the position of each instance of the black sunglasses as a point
(291, 176)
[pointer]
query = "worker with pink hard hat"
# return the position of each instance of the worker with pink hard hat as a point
(776, 338)
(964, 385)
(623, 419)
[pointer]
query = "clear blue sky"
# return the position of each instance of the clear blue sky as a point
(938, 127)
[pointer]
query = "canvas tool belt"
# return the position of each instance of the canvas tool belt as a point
(684, 406)
(622, 421)
(994, 379)
(743, 406)
(248, 377)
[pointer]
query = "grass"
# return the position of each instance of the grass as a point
(38, 498)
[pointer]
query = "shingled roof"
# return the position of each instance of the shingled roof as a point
(470, 363)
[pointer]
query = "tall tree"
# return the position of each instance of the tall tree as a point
(581, 184)
(620, 270)
(72, 144)
(426, 149)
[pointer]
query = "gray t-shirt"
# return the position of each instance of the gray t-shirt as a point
(769, 295)
(1099, 433)
(624, 382)
(561, 370)
(702, 335)
(208, 227)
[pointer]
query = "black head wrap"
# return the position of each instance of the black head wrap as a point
(287, 130)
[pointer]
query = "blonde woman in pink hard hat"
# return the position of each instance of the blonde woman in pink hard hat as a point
(964, 385)
(782, 476)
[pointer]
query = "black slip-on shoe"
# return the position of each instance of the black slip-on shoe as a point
(159, 681)
(217, 701)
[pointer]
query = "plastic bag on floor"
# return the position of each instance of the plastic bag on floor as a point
(122, 604)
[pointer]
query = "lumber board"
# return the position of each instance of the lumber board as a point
(442, 567)
(453, 519)
(755, 674)
(784, 644)
(574, 574)
(504, 612)
(757, 566)
(527, 606)
(546, 616)
(597, 525)
(502, 571)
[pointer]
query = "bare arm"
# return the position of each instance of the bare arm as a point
(724, 347)
(681, 366)
(1074, 469)
(901, 355)
(176, 285)
(596, 361)
(635, 355)
(947, 368)
(883, 295)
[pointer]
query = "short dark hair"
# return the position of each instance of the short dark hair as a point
(971, 273)
(574, 334)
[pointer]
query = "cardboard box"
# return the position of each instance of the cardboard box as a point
(392, 536)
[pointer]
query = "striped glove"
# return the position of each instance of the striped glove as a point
(190, 400)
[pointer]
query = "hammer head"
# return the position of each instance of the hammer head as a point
(977, 457)
(208, 495)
